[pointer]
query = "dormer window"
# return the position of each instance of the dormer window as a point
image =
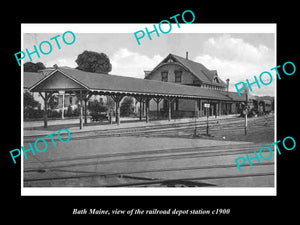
(216, 80)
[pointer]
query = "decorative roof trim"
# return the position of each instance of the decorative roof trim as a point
(51, 74)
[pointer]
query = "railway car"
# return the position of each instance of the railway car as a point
(262, 106)
(267, 106)
(258, 107)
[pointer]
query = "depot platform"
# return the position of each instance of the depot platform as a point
(35, 128)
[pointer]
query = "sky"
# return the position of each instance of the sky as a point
(237, 56)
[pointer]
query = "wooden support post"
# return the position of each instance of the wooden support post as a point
(117, 99)
(63, 105)
(79, 94)
(140, 110)
(80, 116)
(45, 114)
(196, 109)
(157, 100)
(147, 110)
(85, 111)
(222, 108)
(143, 112)
(169, 110)
(170, 100)
(140, 100)
(81, 111)
(86, 98)
(118, 112)
(157, 110)
(110, 116)
(147, 100)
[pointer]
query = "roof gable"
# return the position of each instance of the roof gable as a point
(197, 69)
(200, 71)
(57, 81)
(167, 60)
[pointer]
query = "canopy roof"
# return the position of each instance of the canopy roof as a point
(69, 79)
(31, 78)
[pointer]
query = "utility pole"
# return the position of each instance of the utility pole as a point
(63, 103)
(207, 121)
(195, 128)
(246, 110)
(196, 116)
(207, 106)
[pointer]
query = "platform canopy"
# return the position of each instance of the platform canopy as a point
(84, 84)
(68, 79)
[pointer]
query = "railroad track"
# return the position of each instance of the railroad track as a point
(186, 182)
(84, 167)
(227, 124)
(155, 154)
(162, 167)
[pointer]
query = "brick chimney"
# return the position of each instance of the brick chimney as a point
(227, 81)
(186, 55)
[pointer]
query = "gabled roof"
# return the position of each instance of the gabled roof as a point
(31, 78)
(197, 69)
(56, 80)
(107, 83)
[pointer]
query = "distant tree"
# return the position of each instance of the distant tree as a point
(33, 67)
(29, 102)
(127, 107)
(30, 106)
(95, 62)
(53, 102)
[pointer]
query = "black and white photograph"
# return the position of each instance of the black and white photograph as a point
(100, 110)
(145, 111)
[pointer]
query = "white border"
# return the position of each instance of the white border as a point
(275, 117)
(134, 27)
(147, 191)
(131, 28)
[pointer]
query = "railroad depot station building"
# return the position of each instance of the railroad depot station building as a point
(177, 87)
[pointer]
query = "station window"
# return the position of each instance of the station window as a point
(178, 76)
(164, 76)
